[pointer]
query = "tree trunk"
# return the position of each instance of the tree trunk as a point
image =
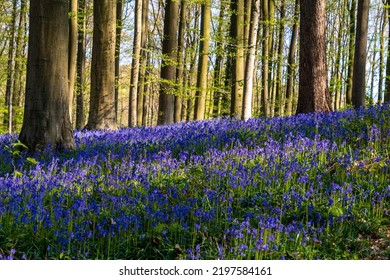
(118, 40)
(80, 65)
(135, 67)
(46, 115)
(179, 97)
(359, 64)
(218, 86)
(265, 58)
(72, 52)
(204, 47)
(237, 37)
(291, 61)
(313, 85)
(387, 83)
(168, 67)
(382, 56)
(279, 86)
(352, 30)
(102, 106)
(143, 59)
(11, 68)
(250, 60)
(19, 81)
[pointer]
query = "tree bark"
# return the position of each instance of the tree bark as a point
(102, 105)
(11, 68)
(291, 61)
(46, 116)
(387, 83)
(250, 60)
(143, 59)
(135, 67)
(118, 41)
(265, 58)
(72, 53)
(359, 65)
(204, 48)
(80, 65)
(168, 67)
(351, 55)
(179, 97)
(382, 56)
(313, 81)
(238, 61)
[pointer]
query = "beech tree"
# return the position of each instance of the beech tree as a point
(204, 46)
(313, 81)
(238, 60)
(359, 66)
(46, 116)
(168, 67)
(135, 66)
(102, 105)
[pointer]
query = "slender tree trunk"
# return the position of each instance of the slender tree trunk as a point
(102, 106)
(373, 63)
(313, 82)
(382, 56)
(336, 74)
(387, 83)
(143, 59)
(11, 68)
(250, 60)
(352, 30)
(72, 52)
(168, 67)
(135, 67)
(359, 66)
(46, 115)
(118, 41)
(80, 65)
(237, 37)
(204, 47)
(219, 60)
(291, 61)
(279, 91)
(180, 59)
(19, 62)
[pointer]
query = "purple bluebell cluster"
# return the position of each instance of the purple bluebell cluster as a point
(272, 188)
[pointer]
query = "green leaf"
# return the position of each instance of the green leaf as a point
(32, 160)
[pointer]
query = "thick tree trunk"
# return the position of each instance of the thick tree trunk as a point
(313, 85)
(168, 67)
(359, 65)
(102, 105)
(46, 116)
